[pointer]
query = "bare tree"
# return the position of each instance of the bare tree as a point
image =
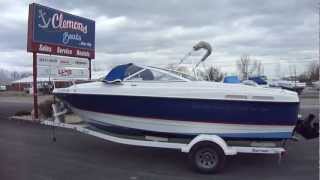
(15, 75)
(25, 74)
(247, 67)
(292, 72)
(213, 74)
(260, 68)
(303, 77)
(243, 66)
(313, 71)
(311, 74)
(277, 70)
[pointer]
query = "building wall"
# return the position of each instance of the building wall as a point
(18, 86)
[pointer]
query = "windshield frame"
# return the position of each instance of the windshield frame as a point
(177, 73)
(165, 71)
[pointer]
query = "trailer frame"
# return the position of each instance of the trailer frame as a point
(216, 147)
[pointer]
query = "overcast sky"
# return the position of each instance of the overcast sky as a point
(279, 33)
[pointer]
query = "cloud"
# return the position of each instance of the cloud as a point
(161, 32)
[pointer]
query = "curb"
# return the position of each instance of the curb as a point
(27, 119)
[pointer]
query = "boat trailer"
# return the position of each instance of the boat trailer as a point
(206, 153)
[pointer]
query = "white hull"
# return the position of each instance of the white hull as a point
(155, 100)
(184, 127)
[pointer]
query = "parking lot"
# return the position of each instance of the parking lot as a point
(27, 152)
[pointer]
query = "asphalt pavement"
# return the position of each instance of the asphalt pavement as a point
(27, 152)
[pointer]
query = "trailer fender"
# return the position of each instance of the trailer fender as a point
(209, 138)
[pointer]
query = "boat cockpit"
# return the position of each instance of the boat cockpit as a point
(132, 72)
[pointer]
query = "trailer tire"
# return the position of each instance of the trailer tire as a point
(207, 157)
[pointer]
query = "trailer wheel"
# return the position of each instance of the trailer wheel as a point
(207, 157)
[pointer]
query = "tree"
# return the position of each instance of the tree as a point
(213, 74)
(311, 74)
(303, 77)
(25, 74)
(247, 67)
(260, 68)
(15, 75)
(313, 71)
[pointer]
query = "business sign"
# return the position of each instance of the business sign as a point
(63, 73)
(57, 67)
(51, 31)
(56, 61)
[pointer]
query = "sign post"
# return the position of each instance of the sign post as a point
(89, 69)
(35, 86)
(54, 32)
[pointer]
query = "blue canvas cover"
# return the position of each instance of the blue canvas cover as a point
(259, 80)
(118, 73)
(231, 79)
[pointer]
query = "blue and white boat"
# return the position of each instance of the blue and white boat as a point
(152, 100)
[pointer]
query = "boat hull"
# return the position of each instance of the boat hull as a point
(186, 117)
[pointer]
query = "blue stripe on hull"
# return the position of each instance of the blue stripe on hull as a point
(197, 110)
(226, 136)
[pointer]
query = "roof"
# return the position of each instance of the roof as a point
(29, 79)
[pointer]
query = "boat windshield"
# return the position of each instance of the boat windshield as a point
(152, 75)
(131, 72)
(180, 74)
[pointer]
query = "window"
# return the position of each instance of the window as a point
(131, 70)
(186, 76)
(160, 76)
(181, 74)
(153, 75)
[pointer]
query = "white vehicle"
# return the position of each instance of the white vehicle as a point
(3, 88)
(289, 85)
(316, 84)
